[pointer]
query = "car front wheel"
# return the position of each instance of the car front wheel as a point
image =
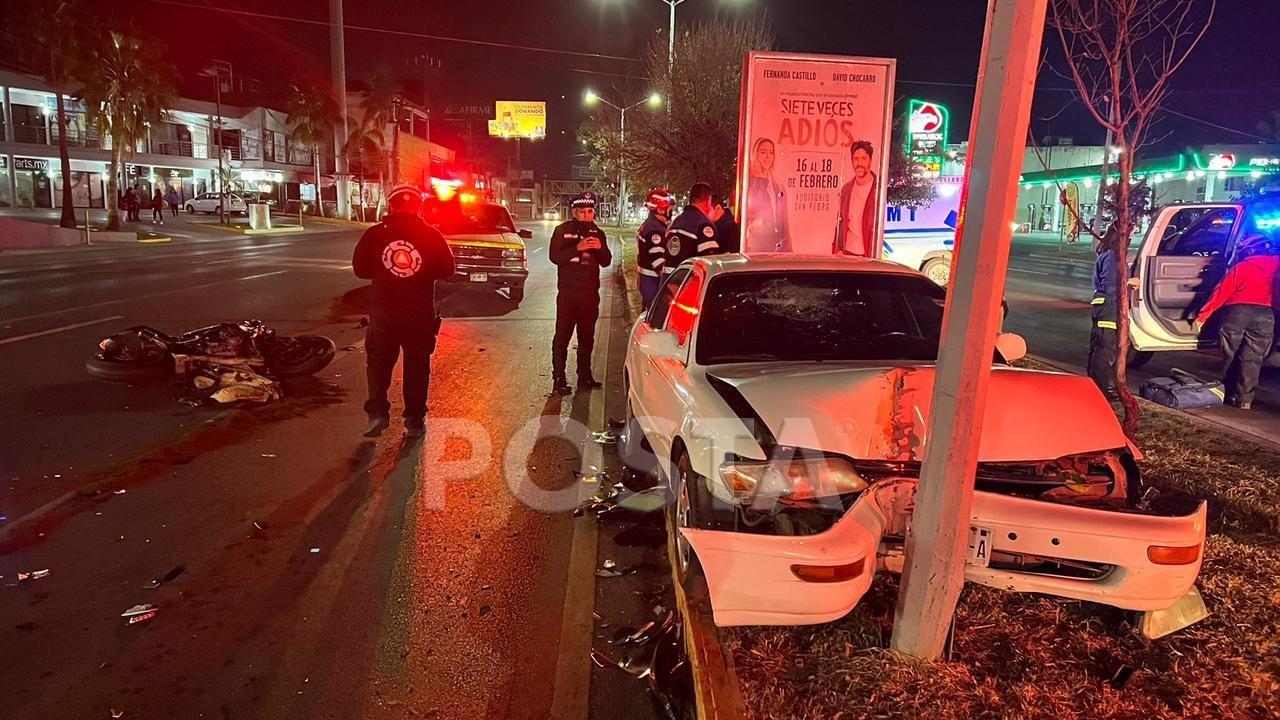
(685, 513)
(938, 270)
(191, 209)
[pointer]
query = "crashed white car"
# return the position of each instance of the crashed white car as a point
(786, 400)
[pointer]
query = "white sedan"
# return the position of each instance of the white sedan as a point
(786, 400)
(208, 203)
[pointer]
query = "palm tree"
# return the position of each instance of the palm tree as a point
(312, 114)
(366, 150)
(126, 86)
(367, 141)
(57, 28)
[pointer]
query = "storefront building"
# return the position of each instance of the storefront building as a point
(181, 153)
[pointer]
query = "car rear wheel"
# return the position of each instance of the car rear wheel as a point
(191, 209)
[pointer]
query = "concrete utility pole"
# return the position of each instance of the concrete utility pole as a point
(936, 544)
(671, 35)
(338, 55)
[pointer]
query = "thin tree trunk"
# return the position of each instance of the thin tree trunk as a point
(64, 157)
(113, 194)
(319, 191)
(1124, 222)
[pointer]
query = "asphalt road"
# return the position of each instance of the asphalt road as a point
(304, 571)
(1049, 297)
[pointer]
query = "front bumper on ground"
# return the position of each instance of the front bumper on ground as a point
(751, 582)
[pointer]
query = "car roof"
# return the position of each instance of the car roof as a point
(738, 262)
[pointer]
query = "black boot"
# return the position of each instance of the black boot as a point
(587, 380)
(377, 423)
(560, 386)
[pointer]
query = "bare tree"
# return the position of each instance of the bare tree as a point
(1120, 55)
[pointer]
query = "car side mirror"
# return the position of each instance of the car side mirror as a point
(526, 234)
(662, 345)
(1011, 346)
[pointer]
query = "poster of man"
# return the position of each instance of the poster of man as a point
(810, 158)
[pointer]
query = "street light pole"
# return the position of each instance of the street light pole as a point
(654, 99)
(222, 191)
(671, 35)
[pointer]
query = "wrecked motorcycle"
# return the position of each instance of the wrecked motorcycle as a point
(145, 353)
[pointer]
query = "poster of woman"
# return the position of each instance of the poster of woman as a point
(811, 135)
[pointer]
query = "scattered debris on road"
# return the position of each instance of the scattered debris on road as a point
(121, 491)
(227, 385)
(605, 437)
(315, 550)
(33, 575)
(267, 455)
(140, 613)
(610, 569)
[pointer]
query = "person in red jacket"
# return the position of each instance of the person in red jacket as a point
(1246, 298)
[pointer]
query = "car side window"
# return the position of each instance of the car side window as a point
(661, 306)
(1198, 232)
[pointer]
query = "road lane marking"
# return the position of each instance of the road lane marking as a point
(140, 297)
(64, 328)
(1033, 272)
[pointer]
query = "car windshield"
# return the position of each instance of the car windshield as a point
(814, 316)
(453, 218)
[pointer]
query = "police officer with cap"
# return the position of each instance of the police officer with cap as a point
(692, 234)
(651, 252)
(580, 249)
(403, 256)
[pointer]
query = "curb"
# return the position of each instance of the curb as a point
(239, 230)
(716, 691)
(340, 221)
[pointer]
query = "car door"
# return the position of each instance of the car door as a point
(640, 368)
(1182, 258)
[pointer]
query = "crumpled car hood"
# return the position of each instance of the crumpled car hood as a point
(882, 413)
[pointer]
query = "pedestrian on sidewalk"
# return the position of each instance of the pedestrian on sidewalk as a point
(174, 199)
(131, 204)
(1247, 299)
(651, 251)
(403, 256)
(579, 249)
(1103, 342)
(157, 207)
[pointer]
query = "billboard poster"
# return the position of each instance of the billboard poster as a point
(811, 153)
(519, 119)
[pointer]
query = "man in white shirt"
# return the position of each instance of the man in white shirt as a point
(856, 218)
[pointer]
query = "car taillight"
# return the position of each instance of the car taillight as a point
(828, 573)
(1173, 555)
(684, 308)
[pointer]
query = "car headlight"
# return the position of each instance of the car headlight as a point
(513, 253)
(790, 479)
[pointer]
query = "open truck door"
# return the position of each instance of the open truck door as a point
(1182, 258)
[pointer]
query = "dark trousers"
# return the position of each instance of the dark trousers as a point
(649, 286)
(384, 343)
(576, 311)
(173, 209)
(1103, 355)
(1246, 335)
(157, 213)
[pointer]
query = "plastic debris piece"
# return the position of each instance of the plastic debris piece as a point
(33, 575)
(267, 455)
(315, 550)
(604, 437)
(627, 664)
(485, 610)
(151, 585)
(174, 573)
(140, 613)
(121, 491)
(258, 525)
(117, 713)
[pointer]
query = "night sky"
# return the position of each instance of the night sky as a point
(1232, 80)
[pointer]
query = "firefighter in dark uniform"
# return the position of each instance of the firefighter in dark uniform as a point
(651, 252)
(1103, 343)
(692, 234)
(404, 257)
(579, 248)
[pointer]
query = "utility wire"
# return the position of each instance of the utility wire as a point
(405, 33)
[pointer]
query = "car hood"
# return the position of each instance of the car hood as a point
(882, 413)
(494, 239)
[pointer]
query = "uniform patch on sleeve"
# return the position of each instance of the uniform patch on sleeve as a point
(673, 246)
(708, 231)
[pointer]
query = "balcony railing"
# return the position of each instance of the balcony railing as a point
(78, 138)
(178, 148)
(35, 134)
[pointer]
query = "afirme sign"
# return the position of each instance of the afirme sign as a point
(37, 164)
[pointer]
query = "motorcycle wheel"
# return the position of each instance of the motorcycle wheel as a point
(130, 364)
(297, 357)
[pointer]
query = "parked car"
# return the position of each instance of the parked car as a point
(786, 401)
(208, 203)
(1182, 257)
(488, 249)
